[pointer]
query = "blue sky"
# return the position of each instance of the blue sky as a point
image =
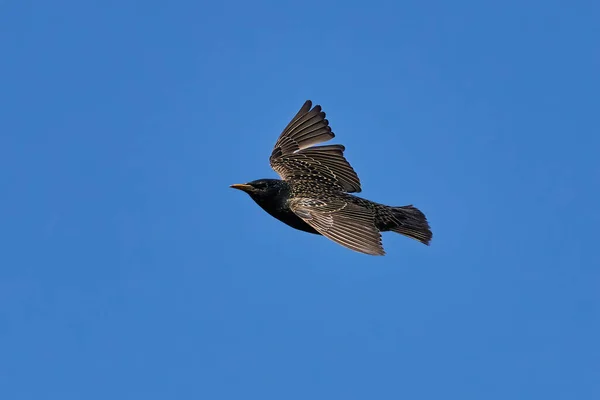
(129, 269)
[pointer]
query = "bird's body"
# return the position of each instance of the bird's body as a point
(315, 193)
(276, 204)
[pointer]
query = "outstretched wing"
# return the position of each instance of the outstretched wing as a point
(294, 158)
(345, 223)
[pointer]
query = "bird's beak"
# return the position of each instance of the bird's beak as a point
(242, 186)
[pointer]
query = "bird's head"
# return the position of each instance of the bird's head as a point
(260, 188)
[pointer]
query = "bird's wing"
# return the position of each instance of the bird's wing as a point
(345, 223)
(294, 158)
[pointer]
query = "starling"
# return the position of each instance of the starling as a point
(314, 192)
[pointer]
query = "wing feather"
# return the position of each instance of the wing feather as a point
(295, 155)
(347, 224)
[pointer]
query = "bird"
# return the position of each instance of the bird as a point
(315, 192)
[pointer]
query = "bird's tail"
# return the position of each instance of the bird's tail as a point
(411, 222)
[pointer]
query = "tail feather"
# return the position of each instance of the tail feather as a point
(406, 220)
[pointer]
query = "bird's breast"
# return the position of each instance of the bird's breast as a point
(283, 213)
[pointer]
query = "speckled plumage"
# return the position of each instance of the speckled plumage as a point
(314, 193)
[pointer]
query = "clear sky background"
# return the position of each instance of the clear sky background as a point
(130, 270)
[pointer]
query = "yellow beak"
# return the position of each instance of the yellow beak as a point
(242, 186)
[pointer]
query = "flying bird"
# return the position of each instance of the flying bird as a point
(313, 194)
